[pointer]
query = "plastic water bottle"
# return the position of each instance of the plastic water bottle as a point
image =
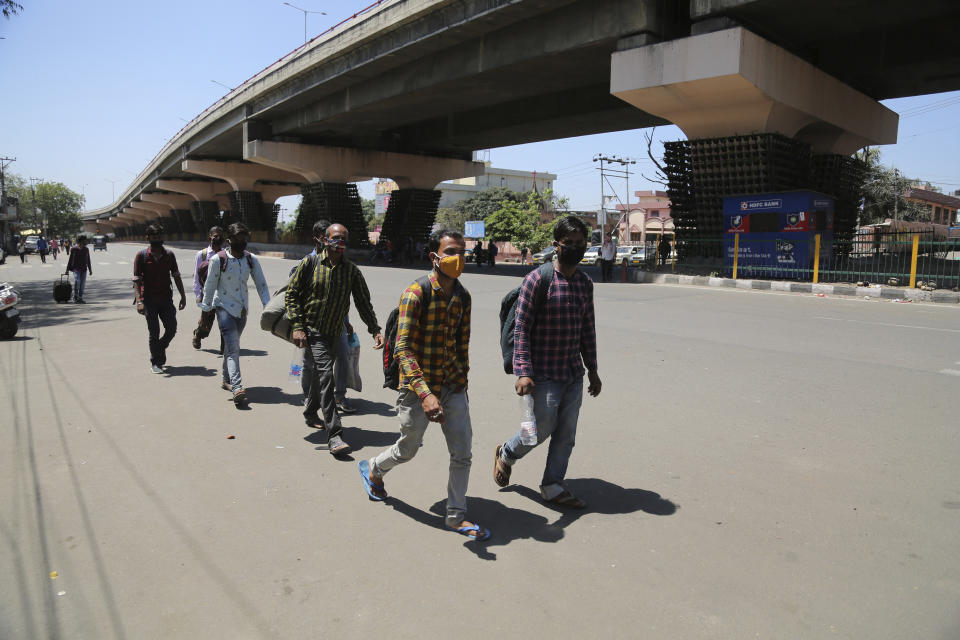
(528, 421)
(296, 364)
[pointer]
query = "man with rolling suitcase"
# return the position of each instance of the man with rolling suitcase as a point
(80, 264)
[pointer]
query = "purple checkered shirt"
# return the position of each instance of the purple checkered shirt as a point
(564, 338)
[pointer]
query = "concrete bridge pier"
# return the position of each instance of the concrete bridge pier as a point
(205, 199)
(179, 205)
(724, 85)
(246, 202)
(330, 170)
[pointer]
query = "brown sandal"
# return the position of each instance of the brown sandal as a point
(501, 470)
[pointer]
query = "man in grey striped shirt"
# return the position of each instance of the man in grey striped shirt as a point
(318, 299)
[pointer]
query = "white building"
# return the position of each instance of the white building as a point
(519, 181)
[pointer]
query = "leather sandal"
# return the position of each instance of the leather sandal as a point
(501, 470)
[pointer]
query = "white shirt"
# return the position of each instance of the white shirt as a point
(227, 288)
(608, 251)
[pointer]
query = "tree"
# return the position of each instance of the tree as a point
(369, 208)
(452, 218)
(883, 191)
(519, 222)
(51, 201)
(10, 8)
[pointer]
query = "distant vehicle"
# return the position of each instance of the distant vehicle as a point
(542, 257)
(99, 242)
(591, 256)
(468, 255)
(30, 244)
(624, 254)
(638, 258)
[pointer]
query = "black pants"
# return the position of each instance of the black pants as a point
(161, 311)
(606, 270)
(322, 351)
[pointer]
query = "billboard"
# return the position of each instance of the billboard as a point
(474, 229)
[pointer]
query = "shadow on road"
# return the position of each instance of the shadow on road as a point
(602, 497)
(273, 395)
(190, 371)
(38, 308)
(371, 408)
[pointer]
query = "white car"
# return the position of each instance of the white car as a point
(626, 254)
(591, 256)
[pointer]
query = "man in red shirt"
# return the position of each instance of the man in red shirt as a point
(152, 269)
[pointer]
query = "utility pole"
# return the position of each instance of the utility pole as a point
(622, 172)
(33, 201)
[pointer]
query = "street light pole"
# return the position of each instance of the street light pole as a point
(305, 12)
(113, 195)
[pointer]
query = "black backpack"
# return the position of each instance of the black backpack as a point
(391, 368)
(508, 313)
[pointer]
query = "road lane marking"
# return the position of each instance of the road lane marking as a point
(104, 263)
(888, 324)
(950, 372)
(122, 262)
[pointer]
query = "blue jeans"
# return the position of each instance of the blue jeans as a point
(79, 280)
(156, 312)
(230, 330)
(557, 409)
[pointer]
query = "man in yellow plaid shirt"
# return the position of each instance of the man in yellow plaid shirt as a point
(432, 352)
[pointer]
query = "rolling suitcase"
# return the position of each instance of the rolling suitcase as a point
(61, 289)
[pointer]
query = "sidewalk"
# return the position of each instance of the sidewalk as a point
(872, 291)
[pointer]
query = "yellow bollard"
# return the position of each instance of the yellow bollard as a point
(913, 261)
(816, 259)
(736, 253)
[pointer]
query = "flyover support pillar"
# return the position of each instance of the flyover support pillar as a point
(410, 214)
(337, 202)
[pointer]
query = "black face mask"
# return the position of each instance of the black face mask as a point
(238, 245)
(156, 244)
(571, 254)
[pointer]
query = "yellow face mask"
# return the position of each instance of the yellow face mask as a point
(451, 266)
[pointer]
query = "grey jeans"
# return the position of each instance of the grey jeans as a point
(459, 435)
(322, 352)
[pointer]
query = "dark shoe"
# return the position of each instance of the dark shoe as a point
(567, 499)
(315, 422)
(81, 301)
(239, 397)
(343, 407)
(196, 340)
(338, 447)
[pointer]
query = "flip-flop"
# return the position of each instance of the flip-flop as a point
(479, 534)
(364, 467)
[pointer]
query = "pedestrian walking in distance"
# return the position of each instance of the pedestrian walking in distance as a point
(225, 294)
(317, 303)
(79, 262)
(608, 252)
(200, 270)
(432, 349)
(552, 344)
(152, 270)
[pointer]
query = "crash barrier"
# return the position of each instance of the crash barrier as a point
(897, 258)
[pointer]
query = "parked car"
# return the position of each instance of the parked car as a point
(626, 253)
(639, 257)
(542, 257)
(30, 244)
(591, 256)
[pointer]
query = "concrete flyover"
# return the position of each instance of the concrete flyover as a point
(421, 84)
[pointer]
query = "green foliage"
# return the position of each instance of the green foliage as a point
(519, 222)
(883, 191)
(53, 201)
(369, 208)
(452, 218)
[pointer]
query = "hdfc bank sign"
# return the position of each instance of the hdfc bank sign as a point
(759, 205)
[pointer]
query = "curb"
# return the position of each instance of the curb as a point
(880, 292)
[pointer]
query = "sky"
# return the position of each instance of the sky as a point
(91, 91)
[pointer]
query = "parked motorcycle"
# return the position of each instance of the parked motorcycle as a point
(9, 316)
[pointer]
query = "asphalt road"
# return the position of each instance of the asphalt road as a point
(758, 465)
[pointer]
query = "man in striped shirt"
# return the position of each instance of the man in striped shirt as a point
(317, 300)
(432, 351)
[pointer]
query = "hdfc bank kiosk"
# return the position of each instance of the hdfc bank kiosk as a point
(777, 233)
